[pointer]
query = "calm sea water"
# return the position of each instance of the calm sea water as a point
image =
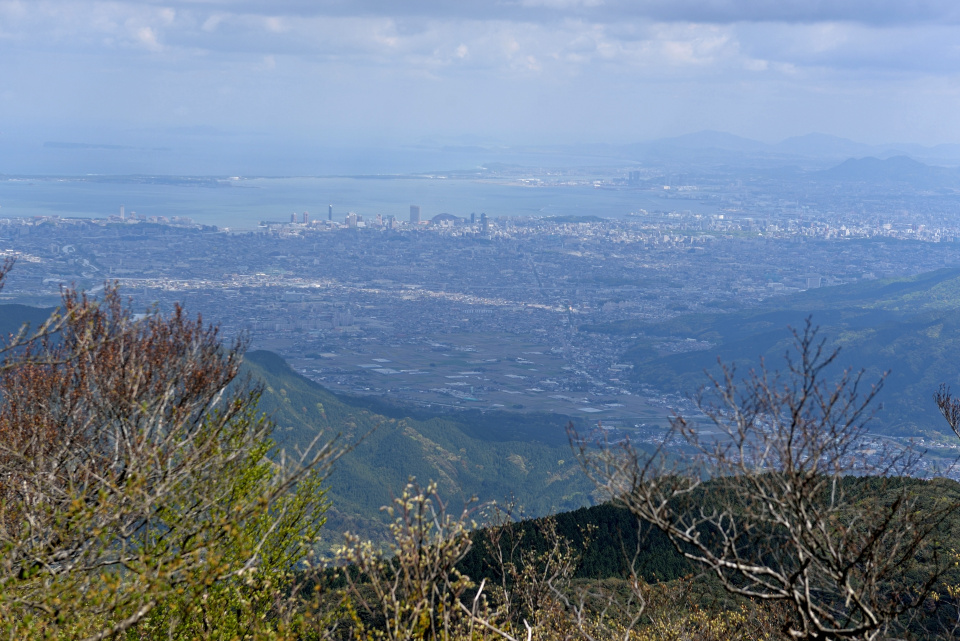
(244, 203)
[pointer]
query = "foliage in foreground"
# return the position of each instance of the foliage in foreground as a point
(788, 525)
(141, 497)
(137, 486)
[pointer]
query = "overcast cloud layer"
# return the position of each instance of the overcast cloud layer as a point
(515, 71)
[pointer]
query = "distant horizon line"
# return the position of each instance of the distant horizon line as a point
(455, 142)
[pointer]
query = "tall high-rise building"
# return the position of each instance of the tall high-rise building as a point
(484, 223)
(330, 212)
(351, 219)
(414, 214)
(122, 217)
(473, 218)
(306, 217)
(293, 217)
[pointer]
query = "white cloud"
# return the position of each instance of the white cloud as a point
(212, 22)
(580, 33)
(562, 4)
(13, 9)
(148, 38)
(275, 24)
(582, 52)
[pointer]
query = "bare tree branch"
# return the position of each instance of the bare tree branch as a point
(773, 506)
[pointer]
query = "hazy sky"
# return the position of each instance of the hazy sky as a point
(513, 71)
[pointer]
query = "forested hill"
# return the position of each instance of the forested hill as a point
(611, 544)
(13, 316)
(491, 456)
(606, 537)
(909, 326)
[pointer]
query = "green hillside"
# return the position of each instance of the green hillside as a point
(492, 457)
(606, 552)
(13, 316)
(908, 326)
(607, 536)
(610, 545)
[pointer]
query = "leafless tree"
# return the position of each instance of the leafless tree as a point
(415, 590)
(782, 500)
(534, 576)
(949, 406)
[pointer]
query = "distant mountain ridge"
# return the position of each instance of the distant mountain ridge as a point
(817, 144)
(721, 146)
(894, 169)
(13, 316)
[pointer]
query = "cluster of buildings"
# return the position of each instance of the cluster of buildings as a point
(477, 311)
(490, 314)
(300, 223)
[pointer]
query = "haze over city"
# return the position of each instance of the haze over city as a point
(287, 86)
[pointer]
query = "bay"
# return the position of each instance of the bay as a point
(242, 203)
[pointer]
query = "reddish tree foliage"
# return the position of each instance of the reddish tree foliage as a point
(133, 467)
